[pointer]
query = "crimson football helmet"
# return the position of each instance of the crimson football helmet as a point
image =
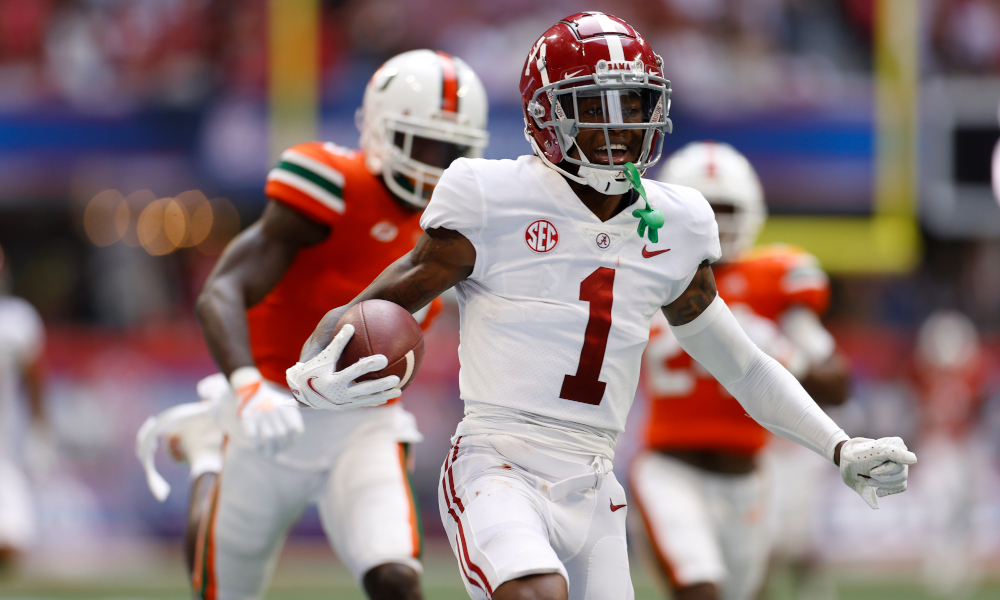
(592, 55)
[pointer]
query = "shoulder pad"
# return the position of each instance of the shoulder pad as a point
(310, 173)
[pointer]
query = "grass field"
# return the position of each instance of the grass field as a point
(311, 572)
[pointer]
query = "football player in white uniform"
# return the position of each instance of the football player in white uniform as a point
(560, 260)
(335, 219)
(22, 339)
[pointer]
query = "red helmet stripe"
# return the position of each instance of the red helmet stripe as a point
(449, 84)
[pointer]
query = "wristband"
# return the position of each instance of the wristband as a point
(245, 381)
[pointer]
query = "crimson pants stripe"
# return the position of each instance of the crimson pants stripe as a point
(450, 498)
(466, 572)
(464, 547)
(451, 477)
(453, 500)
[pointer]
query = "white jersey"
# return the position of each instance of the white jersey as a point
(557, 310)
(22, 338)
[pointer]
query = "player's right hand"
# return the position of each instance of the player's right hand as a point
(318, 384)
(875, 468)
(270, 418)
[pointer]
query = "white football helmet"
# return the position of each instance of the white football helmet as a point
(421, 110)
(726, 178)
(947, 341)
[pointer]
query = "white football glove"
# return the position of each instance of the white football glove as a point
(875, 468)
(270, 418)
(318, 384)
(175, 419)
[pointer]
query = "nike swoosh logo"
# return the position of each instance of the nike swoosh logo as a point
(614, 506)
(648, 254)
(245, 393)
(573, 74)
(309, 382)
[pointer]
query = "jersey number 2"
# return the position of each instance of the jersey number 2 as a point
(597, 289)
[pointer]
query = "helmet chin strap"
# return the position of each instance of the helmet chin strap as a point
(603, 181)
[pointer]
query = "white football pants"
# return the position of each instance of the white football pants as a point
(703, 527)
(364, 498)
(496, 501)
(17, 512)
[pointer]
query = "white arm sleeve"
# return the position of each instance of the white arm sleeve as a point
(765, 389)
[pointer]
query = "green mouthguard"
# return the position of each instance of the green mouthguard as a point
(648, 217)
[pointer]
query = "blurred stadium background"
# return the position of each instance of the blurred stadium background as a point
(134, 140)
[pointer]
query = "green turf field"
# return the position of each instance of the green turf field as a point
(310, 572)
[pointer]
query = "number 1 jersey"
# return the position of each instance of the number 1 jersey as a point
(557, 310)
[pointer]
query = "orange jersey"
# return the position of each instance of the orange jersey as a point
(369, 229)
(689, 409)
(950, 398)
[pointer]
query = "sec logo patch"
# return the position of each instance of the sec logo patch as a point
(541, 236)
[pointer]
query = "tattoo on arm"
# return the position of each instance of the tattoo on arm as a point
(409, 294)
(434, 243)
(695, 299)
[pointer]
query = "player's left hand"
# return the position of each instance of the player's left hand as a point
(270, 418)
(875, 468)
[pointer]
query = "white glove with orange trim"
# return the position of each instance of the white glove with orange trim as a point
(875, 468)
(270, 418)
(318, 383)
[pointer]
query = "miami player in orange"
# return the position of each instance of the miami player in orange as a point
(698, 487)
(335, 219)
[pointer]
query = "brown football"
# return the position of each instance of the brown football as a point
(383, 327)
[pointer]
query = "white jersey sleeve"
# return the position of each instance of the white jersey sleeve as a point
(457, 204)
(698, 219)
